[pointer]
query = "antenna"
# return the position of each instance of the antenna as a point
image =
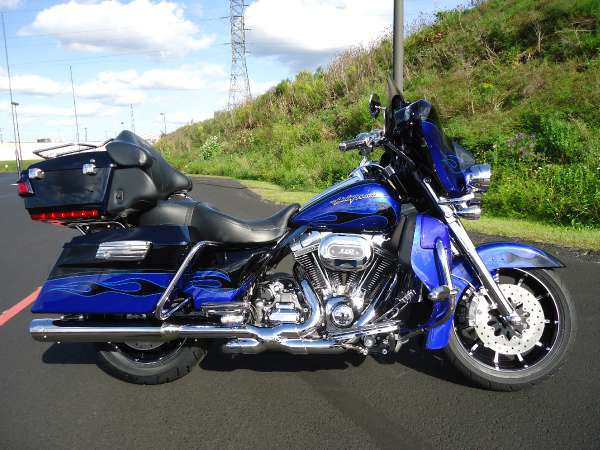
(74, 106)
(13, 105)
(132, 118)
(239, 86)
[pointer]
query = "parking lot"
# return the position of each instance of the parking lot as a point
(54, 396)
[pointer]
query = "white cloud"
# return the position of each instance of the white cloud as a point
(128, 86)
(306, 33)
(9, 4)
(115, 26)
(84, 109)
(31, 84)
(260, 87)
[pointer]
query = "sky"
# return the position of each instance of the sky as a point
(165, 56)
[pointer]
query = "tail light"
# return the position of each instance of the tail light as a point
(63, 215)
(24, 188)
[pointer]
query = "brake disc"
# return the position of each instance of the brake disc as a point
(493, 333)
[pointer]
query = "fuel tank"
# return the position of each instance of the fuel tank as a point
(352, 206)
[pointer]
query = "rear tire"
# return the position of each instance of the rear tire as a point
(153, 364)
(473, 354)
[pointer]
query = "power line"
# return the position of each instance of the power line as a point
(13, 105)
(67, 60)
(74, 106)
(66, 33)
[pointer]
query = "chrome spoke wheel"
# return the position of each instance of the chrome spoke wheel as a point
(482, 334)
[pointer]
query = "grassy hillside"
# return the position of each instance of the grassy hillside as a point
(516, 81)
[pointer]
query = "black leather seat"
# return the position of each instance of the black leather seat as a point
(130, 150)
(210, 224)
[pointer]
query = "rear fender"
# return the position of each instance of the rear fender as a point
(496, 255)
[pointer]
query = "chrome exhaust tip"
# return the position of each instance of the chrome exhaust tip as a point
(56, 330)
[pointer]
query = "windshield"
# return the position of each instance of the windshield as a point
(446, 159)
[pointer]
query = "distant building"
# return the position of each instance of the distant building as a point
(43, 140)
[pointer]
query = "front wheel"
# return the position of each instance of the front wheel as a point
(149, 362)
(484, 350)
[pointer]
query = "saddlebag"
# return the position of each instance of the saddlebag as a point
(114, 272)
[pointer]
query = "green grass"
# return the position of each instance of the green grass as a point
(277, 194)
(563, 236)
(11, 166)
(515, 81)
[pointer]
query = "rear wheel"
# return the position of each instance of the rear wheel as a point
(488, 353)
(149, 362)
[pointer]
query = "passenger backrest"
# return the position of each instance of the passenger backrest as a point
(129, 150)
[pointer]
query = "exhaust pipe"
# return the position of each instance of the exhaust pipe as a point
(293, 346)
(245, 339)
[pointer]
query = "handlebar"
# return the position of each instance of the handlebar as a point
(363, 141)
(366, 142)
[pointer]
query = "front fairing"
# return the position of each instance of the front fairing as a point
(442, 159)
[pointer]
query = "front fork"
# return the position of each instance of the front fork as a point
(492, 290)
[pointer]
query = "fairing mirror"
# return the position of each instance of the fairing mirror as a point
(374, 106)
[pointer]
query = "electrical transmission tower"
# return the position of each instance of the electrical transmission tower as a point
(239, 86)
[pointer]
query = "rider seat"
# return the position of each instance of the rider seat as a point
(209, 224)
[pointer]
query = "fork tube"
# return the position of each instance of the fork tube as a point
(470, 252)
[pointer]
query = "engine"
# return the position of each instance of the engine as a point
(346, 270)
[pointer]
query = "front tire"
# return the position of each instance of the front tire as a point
(149, 362)
(480, 348)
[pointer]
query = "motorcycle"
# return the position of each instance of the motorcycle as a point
(380, 259)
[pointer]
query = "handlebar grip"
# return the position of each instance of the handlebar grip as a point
(353, 143)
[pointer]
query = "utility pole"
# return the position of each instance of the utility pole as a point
(399, 44)
(132, 118)
(74, 106)
(239, 85)
(164, 118)
(18, 155)
(85, 134)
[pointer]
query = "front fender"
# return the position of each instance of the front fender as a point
(495, 255)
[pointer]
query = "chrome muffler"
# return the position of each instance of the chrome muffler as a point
(290, 338)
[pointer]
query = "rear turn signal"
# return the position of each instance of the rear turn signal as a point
(60, 215)
(24, 188)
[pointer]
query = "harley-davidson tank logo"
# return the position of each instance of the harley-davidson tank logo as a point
(352, 198)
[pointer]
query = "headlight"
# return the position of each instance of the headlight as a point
(478, 177)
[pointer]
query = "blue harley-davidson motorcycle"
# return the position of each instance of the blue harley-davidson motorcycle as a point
(380, 258)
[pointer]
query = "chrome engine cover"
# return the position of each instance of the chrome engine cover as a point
(345, 252)
(346, 270)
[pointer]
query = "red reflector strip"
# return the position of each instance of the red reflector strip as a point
(55, 215)
(24, 188)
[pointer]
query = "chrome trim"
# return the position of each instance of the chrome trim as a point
(345, 252)
(470, 212)
(36, 173)
(443, 258)
(123, 250)
(470, 252)
(159, 312)
(89, 169)
(478, 177)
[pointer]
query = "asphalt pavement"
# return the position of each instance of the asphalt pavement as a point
(54, 396)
